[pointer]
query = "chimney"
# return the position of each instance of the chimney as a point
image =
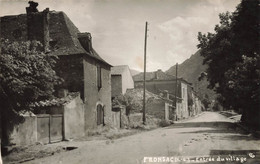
(38, 25)
(85, 40)
(32, 8)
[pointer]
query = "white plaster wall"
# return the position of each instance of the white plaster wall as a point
(127, 81)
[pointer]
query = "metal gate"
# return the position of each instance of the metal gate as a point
(49, 128)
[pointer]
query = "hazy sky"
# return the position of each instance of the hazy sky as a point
(117, 26)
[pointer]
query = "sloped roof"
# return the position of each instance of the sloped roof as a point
(118, 70)
(63, 33)
(157, 75)
(56, 101)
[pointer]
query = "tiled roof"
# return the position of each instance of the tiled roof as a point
(56, 101)
(69, 42)
(118, 70)
(63, 34)
(157, 76)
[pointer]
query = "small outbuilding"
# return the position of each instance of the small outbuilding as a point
(121, 80)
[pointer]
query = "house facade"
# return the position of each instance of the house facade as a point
(80, 66)
(158, 82)
(121, 80)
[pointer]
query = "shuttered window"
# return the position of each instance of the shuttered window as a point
(99, 78)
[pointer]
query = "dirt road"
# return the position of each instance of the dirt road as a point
(206, 138)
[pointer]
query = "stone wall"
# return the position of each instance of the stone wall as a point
(25, 133)
(80, 75)
(94, 96)
(156, 108)
(70, 68)
(74, 123)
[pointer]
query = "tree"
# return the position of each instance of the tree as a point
(26, 76)
(232, 56)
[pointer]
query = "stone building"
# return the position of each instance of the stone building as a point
(158, 82)
(121, 80)
(82, 69)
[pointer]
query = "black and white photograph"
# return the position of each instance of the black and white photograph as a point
(130, 81)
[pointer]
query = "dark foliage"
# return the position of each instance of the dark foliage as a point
(26, 76)
(233, 57)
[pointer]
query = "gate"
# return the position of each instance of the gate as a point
(49, 128)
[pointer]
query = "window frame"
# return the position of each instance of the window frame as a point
(99, 77)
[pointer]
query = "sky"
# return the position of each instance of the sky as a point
(118, 26)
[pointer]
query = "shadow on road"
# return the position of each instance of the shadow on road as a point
(205, 124)
(234, 131)
(239, 138)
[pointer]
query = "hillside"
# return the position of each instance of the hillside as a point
(190, 70)
(134, 72)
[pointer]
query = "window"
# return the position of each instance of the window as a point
(99, 79)
(100, 115)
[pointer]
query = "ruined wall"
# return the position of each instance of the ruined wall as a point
(74, 122)
(156, 108)
(116, 85)
(94, 96)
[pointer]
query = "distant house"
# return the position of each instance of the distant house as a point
(121, 80)
(82, 69)
(158, 82)
(159, 106)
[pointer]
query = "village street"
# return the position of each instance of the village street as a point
(208, 135)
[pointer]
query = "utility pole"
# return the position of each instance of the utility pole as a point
(176, 88)
(145, 42)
